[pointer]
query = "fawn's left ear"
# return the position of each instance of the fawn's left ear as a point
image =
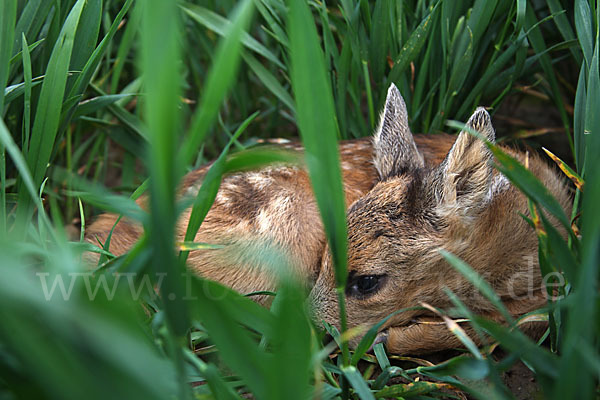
(463, 179)
(395, 148)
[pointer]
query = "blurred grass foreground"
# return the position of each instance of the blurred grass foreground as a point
(105, 100)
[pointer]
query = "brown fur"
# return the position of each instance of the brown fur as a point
(403, 207)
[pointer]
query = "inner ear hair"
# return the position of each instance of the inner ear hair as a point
(393, 142)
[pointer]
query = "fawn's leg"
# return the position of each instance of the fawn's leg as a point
(428, 335)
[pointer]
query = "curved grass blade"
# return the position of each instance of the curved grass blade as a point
(477, 280)
(14, 91)
(222, 26)
(358, 383)
(462, 366)
(218, 386)
(21, 165)
(210, 186)
(18, 57)
(545, 363)
(410, 389)
(217, 307)
(572, 175)
(457, 331)
(97, 103)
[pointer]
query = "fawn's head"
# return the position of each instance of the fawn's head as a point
(396, 230)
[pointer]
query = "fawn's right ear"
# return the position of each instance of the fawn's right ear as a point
(463, 179)
(395, 148)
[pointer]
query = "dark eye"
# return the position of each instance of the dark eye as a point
(364, 285)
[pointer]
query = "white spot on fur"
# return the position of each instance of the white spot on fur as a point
(346, 166)
(263, 221)
(274, 215)
(499, 184)
(192, 190)
(222, 198)
(259, 180)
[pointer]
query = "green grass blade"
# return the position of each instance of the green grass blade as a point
(529, 184)
(86, 36)
(163, 83)
(218, 386)
(590, 130)
(369, 337)
(358, 383)
(541, 359)
(273, 20)
(379, 40)
(30, 22)
(269, 81)
(125, 46)
(317, 122)
(465, 367)
(539, 46)
(214, 306)
(583, 310)
(131, 121)
(476, 280)
(18, 57)
(219, 80)
(579, 119)
(28, 84)
(14, 91)
(461, 68)
(583, 26)
(291, 343)
(85, 77)
(162, 116)
(413, 45)
(8, 11)
(564, 26)
(92, 105)
(45, 126)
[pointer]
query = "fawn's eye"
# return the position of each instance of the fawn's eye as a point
(364, 285)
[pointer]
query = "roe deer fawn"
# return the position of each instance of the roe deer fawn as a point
(407, 197)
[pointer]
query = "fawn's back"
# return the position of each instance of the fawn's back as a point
(270, 208)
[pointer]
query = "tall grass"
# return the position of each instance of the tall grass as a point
(107, 93)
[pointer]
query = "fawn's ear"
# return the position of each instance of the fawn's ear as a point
(463, 179)
(395, 148)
